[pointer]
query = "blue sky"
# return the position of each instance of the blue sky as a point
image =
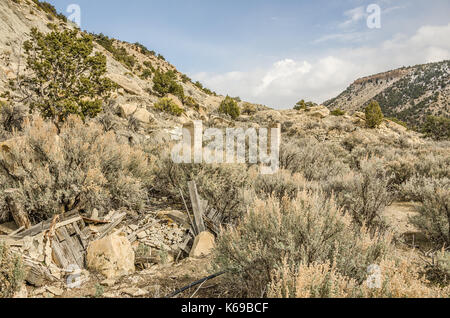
(275, 52)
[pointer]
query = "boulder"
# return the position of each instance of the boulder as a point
(144, 116)
(126, 83)
(203, 245)
(319, 112)
(176, 100)
(112, 256)
(127, 110)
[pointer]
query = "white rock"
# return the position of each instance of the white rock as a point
(112, 256)
(203, 245)
(144, 116)
(127, 110)
(134, 292)
(55, 290)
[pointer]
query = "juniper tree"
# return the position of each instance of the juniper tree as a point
(64, 75)
(374, 115)
(230, 107)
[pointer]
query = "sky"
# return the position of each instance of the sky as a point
(276, 52)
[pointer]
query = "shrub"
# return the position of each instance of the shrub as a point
(398, 121)
(73, 75)
(316, 161)
(364, 194)
(167, 105)
(229, 107)
(82, 168)
(279, 185)
(437, 128)
(249, 109)
(146, 74)
(12, 272)
(374, 115)
(438, 272)
(305, 230)
(12, 117)
(165, 83)
(433, 218)
(222, 185)
(338, 112)
(120, 54)
(323, 280)
(190, 102)
(419, 188)
(301, 105)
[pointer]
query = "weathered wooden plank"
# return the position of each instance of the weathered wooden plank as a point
(70, 229)
(196, 207)
(82, 238)
(59, 255)
(67, 222)
(67, 247)
(59, 235)
(108, 228)
(17, 231)
(37, 274)
(16, 209)
(73, 247)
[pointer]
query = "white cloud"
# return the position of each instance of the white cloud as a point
(288, 80)
(353, 16)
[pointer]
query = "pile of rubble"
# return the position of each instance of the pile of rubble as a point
(64, 249)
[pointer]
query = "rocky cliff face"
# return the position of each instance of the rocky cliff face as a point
(409, 94)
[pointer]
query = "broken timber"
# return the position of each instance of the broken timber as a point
(197, 207)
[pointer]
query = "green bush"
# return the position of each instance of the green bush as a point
(338, 112)
(50, 9)
(437, 128)
(65, 76)
(146, 73)
(305, 230)
(191, 102)
(167, 105)
(120, 54)
(165, 83)
(374, 115)
(302, 105)
(229, 107)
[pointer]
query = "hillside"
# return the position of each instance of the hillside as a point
(409, 94)
(131, 66)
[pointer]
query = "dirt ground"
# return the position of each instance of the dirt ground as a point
(155, 282)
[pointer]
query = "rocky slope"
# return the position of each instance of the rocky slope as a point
(409, 94)
(17, 18)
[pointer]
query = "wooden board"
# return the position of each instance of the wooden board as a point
(197, 206)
